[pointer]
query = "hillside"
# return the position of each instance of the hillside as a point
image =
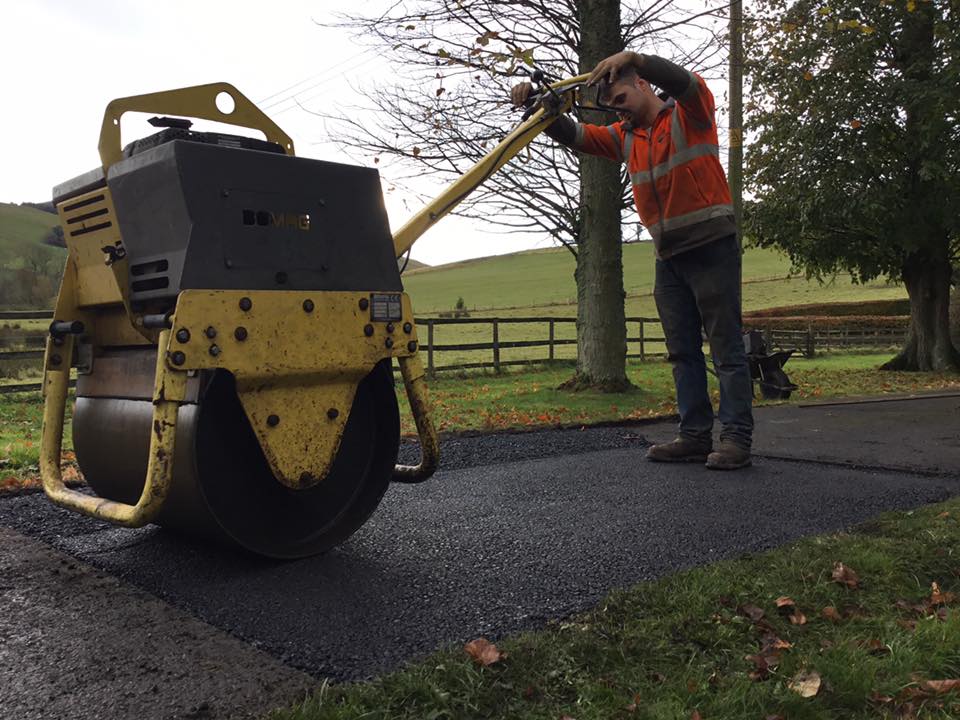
(541, 282)
(22, 230)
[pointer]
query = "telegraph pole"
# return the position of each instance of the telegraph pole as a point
(735, 156)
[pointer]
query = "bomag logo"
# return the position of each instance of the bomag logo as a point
(268, 218)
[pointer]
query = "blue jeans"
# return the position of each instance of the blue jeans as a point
(700, 288)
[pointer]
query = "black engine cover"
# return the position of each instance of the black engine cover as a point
(204, 216)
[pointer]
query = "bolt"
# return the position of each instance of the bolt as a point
(407, 328)
(178, 358)
(388, 342)
(364, 303)
(281, 278)
(333, 413)
(57, 340)
(214, 350)
(321, 202)
(390, 327)
(225, 193)
(228, 263)
(210, 332)
(245, 303)
(240, 334)
(55, 359)
(183, 335)
(368, 330)
(308, 306)
(273, 420)
(412, 346)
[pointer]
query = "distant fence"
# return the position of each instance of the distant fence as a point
(555, 335)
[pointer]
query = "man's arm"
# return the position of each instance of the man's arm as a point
(566, 131)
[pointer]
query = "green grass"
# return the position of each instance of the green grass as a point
(22, 228)
(540, 282)
(688, 645)
(530, 398)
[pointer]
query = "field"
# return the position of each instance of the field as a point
(22, 228)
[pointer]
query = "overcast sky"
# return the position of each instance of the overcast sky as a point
(64, 60)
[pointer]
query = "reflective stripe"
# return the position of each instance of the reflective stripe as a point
(676, 133)
(690, 218)
(677, 159)
(616, 139)
(627, 146)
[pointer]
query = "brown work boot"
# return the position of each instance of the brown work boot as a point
(683, 449)
(728, 456)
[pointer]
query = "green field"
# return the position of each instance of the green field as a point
(540, 282)
(23, 229)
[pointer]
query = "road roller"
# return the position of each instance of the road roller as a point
(233, 314)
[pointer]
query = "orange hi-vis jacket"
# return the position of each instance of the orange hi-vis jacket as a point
(679, 186)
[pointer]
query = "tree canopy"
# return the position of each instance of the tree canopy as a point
(854, 159)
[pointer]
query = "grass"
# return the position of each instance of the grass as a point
(712, 644)
(530, 398)
(23, 227)
(524, 400)
(540, 282)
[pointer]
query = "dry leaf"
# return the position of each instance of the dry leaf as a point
(483, 652)
(798, 618)
(941, 686)
(845, 575)
(695, 715)
(806, 683)
(940, 598)
(751, 611)
(830, 613)
(785, 604)
(944, 514)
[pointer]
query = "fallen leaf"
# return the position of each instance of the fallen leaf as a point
(806, 683)
(941, 686)
(763, 663)
(695, 715)
(830, 613)
(845, 575)
(751, 611)
(483, 652)
(856, 124)
(784, 602)
(940, 598)
(944, 514)
(875, 647)
(798, 618)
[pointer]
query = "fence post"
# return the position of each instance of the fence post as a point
(551, 339)
(496, 346)
(643, 353)
(808, 351)
(430, 348)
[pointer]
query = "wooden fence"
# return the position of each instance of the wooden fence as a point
(554, 334)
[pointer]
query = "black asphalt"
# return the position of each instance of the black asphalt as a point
(519, 528)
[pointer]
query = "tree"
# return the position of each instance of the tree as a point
(855, 162)
(456, 63)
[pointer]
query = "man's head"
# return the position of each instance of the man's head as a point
(631, 96)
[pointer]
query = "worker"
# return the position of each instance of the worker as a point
(669, 145)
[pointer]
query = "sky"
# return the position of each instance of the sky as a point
(64, 60)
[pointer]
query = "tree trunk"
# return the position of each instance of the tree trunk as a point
(926, 274)
(601, 327)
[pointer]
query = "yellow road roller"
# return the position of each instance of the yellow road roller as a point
(233, 313)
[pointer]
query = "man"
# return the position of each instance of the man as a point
(670, 148)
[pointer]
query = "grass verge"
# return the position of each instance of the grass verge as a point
(853, 625)
(521, 400)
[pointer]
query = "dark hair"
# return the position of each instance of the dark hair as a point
(626, 74)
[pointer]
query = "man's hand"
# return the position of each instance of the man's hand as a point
(609, 68)
(519, 94)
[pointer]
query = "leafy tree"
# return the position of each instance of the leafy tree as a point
(855, 162)
(456, 62)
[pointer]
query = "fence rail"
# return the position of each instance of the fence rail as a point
(646, 343)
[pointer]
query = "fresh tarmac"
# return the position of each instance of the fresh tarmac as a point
(515, 529)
